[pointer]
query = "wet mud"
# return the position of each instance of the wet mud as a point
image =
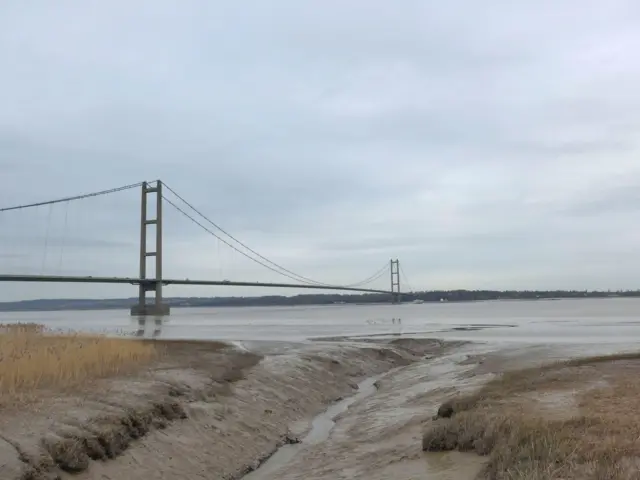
(378, 436)
(215, 411)
(321, 427)
(349, 409)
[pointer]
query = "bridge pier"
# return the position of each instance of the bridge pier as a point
(157, 308)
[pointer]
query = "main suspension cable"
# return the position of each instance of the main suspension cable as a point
(288, 273)
(372, 278)
(206, 229)
(405, 279)
(69, 199)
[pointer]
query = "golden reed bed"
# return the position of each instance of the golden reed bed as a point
(32, 359)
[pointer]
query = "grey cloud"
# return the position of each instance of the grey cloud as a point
(55, 242)
(429, 241)
(12, 255)
(481, 144)
(550, 149)
(622, 200)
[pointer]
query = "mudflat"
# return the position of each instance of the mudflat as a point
(100, 408)
(187, 409)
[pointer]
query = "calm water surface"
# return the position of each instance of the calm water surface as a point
(587, 321)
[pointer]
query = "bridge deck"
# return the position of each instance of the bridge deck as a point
(167, 281)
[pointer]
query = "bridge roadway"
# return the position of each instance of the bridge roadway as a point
(166, 281)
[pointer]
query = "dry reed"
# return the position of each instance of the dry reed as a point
(33, 359)
(597, 440)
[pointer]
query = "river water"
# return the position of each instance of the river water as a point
(614, 321)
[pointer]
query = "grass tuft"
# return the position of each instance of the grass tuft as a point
(31, 359)
(597, 440)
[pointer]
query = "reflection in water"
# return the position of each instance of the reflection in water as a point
(398, 322)
(146, 323)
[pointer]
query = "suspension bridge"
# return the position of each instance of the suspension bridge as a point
(154, 283)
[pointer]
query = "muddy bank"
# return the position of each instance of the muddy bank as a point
(378, 438)
(58, 432)
(570, 419)
(207, 410)
(321, 429)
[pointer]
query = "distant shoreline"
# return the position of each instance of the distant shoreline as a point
(456, 296)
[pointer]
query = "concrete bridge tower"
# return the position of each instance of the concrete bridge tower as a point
(395, 281)
(156, 307)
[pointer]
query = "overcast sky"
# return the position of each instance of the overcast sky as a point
(484, 144)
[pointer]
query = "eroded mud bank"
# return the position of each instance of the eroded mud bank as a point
(214, 412)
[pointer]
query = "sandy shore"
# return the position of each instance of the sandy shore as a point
(206, 410)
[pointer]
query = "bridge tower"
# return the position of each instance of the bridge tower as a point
(156, 308)
(395, 281)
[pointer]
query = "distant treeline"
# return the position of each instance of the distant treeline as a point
(313, 299)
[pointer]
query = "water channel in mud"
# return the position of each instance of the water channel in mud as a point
(320, 430)
(376, 433)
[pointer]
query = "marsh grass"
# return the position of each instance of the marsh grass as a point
(600, 440)
(33, 359)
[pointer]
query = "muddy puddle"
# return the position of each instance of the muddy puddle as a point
(436, 466)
